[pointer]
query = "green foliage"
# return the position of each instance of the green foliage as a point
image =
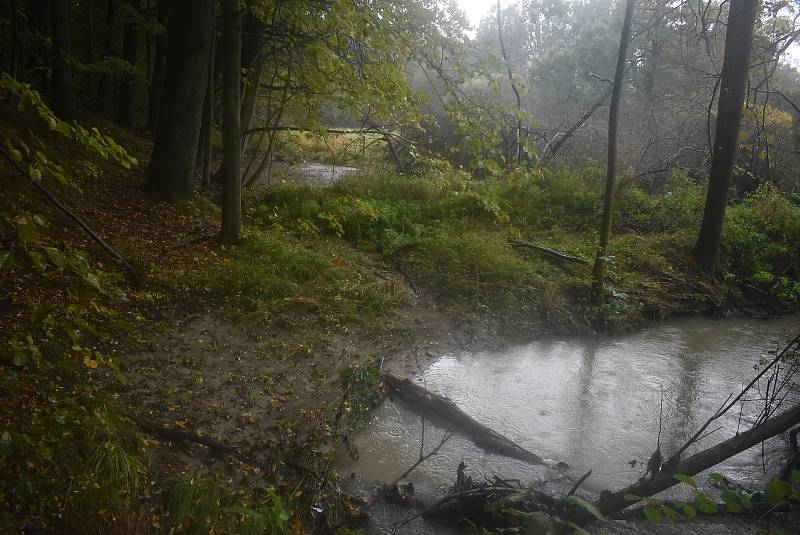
(736, 499)
(760, 243)
(28, 98)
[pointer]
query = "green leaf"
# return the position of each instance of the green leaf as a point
(57, 257)
(633, 498)
(670, 513)
(93, 281)
(27, 232)
(777, 490)
(653, 514)
(732, 501)
(686, 479)
(38, 260)
(796, 476)
(688, 511)
(586, 506)
(6, 259)
(719, 479)
(538, 523)
(704, 503)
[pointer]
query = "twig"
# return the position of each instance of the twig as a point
(578, 483)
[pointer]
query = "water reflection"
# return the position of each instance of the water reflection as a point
(593, 403)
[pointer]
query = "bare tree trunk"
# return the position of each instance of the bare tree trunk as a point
(159, 68)
(231, 122)
(208, 110)
(513, 85)
(177, 134)
(102, 85)
(611, 167)
(251, 91)
(735, 66)
(63, 93)
(611, 503)
(551, 149)
(130, 45)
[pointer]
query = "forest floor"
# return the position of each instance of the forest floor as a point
(269, 348)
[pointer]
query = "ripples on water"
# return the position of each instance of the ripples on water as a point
(592, 402)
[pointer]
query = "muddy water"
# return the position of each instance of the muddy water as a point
(590, 402)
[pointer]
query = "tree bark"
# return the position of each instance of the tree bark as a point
(178, 129)
(445, 409)
(251, 90)
(159, 68)
(62, 91)
(518, 137)
(611, 166)
(611, 503)
(130, 45)
(231, 122)
(108, 50)
(208, 114)
(735, 66)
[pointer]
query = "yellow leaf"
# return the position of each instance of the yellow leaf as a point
(88, 362)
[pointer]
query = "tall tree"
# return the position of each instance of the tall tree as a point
(231, 121)
(130, 46)
(181, 109)
(611, 166)
(735, 66)
(159, 67)
(62, 91)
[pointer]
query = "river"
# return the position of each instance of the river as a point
(589, 402)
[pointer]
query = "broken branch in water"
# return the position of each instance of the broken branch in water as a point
(612, 502)
(444, 408)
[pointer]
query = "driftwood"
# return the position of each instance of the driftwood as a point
(444, 408)
(552, 253)
(612, 502)
(135, 277)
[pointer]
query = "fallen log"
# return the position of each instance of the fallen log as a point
(552, 253)
(173, 434)
(479, 434)
(613, 502)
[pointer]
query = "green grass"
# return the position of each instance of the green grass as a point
(452, 233)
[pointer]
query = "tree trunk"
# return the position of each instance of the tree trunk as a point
(611, 168)
(208, 113)
(251, 90)
(178, 129)
(61, 88)
(518, 135)
(159, 68)
(735, 66)
(130, 45)
(613, 502)
(231, 121)
(108, 50)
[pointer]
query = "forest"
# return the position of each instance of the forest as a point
(233, 232)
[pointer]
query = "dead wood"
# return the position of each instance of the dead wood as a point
(445, 409)
(552, 253)
(612, 502)
(190, 241)
(179, 435)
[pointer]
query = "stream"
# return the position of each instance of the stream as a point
(589, 402)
